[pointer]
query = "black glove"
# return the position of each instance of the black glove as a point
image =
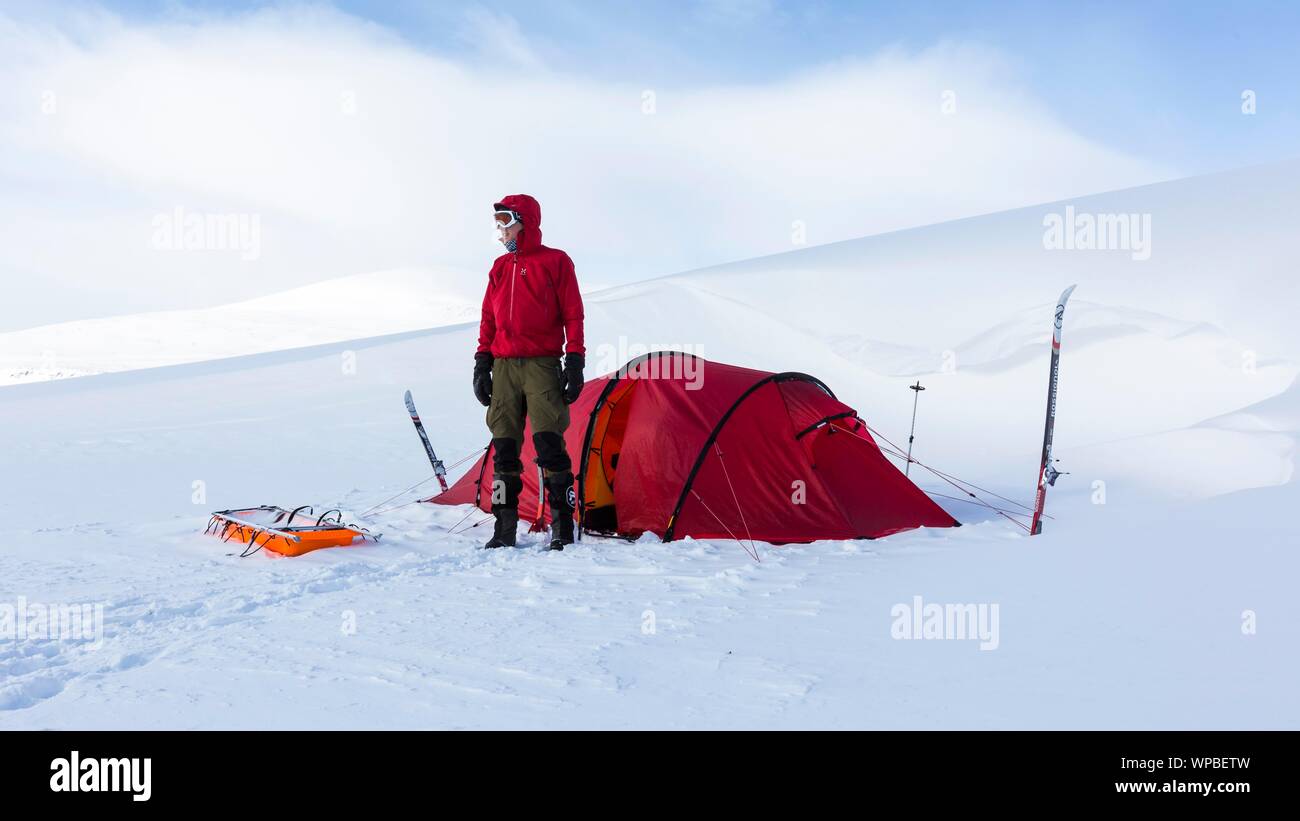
(573, 364)
(483, 378)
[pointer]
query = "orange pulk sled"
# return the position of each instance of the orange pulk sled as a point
(272, 528)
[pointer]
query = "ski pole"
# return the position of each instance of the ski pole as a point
(907, 471)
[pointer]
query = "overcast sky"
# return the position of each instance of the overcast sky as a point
(658, 137)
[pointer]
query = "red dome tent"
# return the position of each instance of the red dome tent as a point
(679, 446)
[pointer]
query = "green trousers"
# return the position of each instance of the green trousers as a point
(527, 385)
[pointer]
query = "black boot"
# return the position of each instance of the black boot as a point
(505, 507)
(505, 528)
(560, 493)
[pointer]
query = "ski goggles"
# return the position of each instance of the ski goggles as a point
(506, 219)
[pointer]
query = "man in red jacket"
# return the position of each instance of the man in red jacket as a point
(532, 313)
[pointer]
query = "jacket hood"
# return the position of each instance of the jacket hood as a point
(531, 213)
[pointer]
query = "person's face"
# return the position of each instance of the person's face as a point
(511, 233)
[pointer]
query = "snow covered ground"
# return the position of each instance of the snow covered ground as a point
(1159, 595)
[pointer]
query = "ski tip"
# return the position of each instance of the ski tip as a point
(410, 403)
(1065, 295)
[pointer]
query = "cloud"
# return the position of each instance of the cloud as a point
(497, 36)
(359, 151)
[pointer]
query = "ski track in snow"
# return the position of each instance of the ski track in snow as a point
(448, 635)
(502, 594)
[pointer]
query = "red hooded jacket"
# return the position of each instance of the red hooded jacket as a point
(532, 305)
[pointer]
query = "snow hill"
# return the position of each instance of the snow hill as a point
(1222, 252)
(335, 310)
(1172, 530)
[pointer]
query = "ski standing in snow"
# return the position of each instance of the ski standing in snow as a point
(438, 469)
(1047, 472)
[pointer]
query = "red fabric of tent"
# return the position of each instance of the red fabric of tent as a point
(675, 445)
